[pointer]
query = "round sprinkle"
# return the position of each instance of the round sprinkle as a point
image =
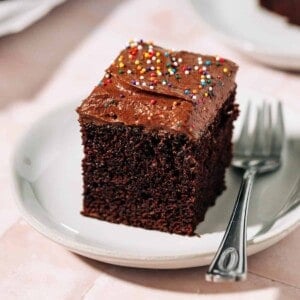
(148, 61)
(186, 91)
(151, 87)
(142, 77)
(129, 71)
(153, 101)
(210, 88)
(137, 62)
(140, 47)
(207, 62)
(196, 68)
(225, 70)
(180, 60)
(164, 82)
(186, 72)
(144, 83)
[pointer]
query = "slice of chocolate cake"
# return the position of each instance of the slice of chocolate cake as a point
(157, 135)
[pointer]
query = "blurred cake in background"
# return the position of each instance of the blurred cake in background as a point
(287, 8)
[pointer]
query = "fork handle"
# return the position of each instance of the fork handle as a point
(230, 261)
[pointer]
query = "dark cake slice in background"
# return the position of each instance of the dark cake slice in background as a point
(287, 8)
(157, 136)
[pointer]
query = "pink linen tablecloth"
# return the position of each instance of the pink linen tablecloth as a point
(62, 57)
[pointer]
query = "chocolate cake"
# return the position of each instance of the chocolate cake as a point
(156, 133)
(287, 8)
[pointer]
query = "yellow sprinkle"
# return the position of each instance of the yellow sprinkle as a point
(137, 62)
(202, 76)
(158, 73)
(194, 91)
(205, 94)
(143, 71)
(146, 54)
(225, 70)
(158, 61)
(121, 65)
(157, 54)
(120, 58)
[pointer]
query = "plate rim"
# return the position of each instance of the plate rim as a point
(254, 245)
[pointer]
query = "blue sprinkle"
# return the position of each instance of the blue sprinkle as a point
(187, 91)
(208, 62)
(167, 54)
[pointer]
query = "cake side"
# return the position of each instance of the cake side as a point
(155, 179)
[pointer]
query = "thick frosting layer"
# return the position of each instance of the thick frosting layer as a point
(159, 88)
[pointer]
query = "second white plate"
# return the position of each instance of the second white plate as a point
(247, 27)
(48, 186)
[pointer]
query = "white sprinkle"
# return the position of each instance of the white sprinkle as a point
(142, 77)
(208, 76)
(144, 83)
(152, 68)
(171, 73)
(210, 88)
(140, 47)
(151, 87)
(153, 57)
(175, 64)
(194, 97)
(128, 71)
(204, 68)
(148, 61)
(106, 75)
(164, 83)
(137, 83)
(186, 72)
(180, 60)
(196, 68)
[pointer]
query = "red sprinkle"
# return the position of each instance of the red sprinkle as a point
(153, 101)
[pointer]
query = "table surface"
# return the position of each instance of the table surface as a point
(61, 57)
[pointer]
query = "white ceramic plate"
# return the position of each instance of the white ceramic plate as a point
(48, 184)
(245, 26)
(16, 15)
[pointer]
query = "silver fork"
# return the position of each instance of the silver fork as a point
(255, 153)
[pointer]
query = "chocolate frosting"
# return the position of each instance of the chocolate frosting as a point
(161, 89)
